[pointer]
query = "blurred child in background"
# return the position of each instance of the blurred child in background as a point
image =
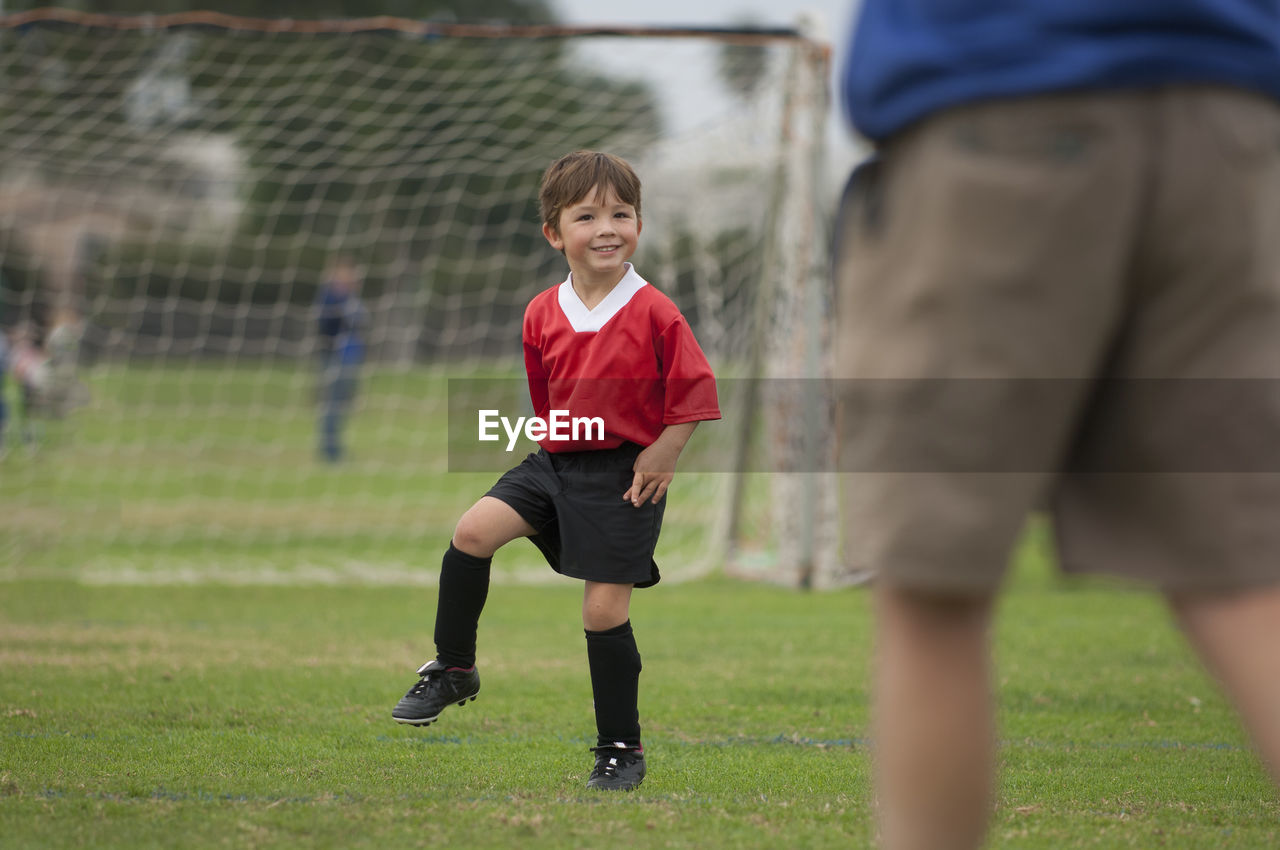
(340, 325)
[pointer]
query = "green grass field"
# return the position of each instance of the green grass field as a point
(154, 694)
(192, 473)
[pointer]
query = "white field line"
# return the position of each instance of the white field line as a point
(253, 573)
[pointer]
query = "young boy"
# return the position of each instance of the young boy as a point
(606, 344)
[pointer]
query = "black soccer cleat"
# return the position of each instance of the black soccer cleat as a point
(437, 689)
(617, 768)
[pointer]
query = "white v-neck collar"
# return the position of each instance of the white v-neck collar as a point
(589, 321)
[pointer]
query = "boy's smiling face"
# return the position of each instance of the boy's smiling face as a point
(598, 234)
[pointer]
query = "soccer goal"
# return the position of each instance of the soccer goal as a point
(183, 185)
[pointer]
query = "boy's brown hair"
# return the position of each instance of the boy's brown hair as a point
(573, 176)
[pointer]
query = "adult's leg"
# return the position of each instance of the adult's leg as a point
(933, 719)
(1238, 637)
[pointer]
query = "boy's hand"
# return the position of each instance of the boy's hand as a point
(655, 466)
(653, 473)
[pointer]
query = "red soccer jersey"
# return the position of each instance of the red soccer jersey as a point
(631, 362)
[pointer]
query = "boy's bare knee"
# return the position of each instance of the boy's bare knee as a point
(605, 606)
(599, 620)
(471, 536)
(487, 526)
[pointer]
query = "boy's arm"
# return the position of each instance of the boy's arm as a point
(655, 466)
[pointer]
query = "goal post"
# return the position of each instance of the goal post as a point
(183, 182)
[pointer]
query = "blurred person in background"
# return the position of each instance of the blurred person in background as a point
(340, 324)
(4, 404)
(29, 363)
(66, 391)
(1081, 201)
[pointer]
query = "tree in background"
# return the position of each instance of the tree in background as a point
(469, 11)
(307, 126)
(743, 67)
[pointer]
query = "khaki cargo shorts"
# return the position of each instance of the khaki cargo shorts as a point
(1066, 303)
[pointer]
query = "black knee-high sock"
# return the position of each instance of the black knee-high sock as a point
(615, 684)
(464, 586)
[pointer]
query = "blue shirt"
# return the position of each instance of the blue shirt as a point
(340, 320)
(909, 58)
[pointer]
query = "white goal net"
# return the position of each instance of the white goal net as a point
(174, 191)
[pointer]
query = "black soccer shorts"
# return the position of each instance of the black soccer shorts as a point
(585, 529)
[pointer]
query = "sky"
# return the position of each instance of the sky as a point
(834, 18)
